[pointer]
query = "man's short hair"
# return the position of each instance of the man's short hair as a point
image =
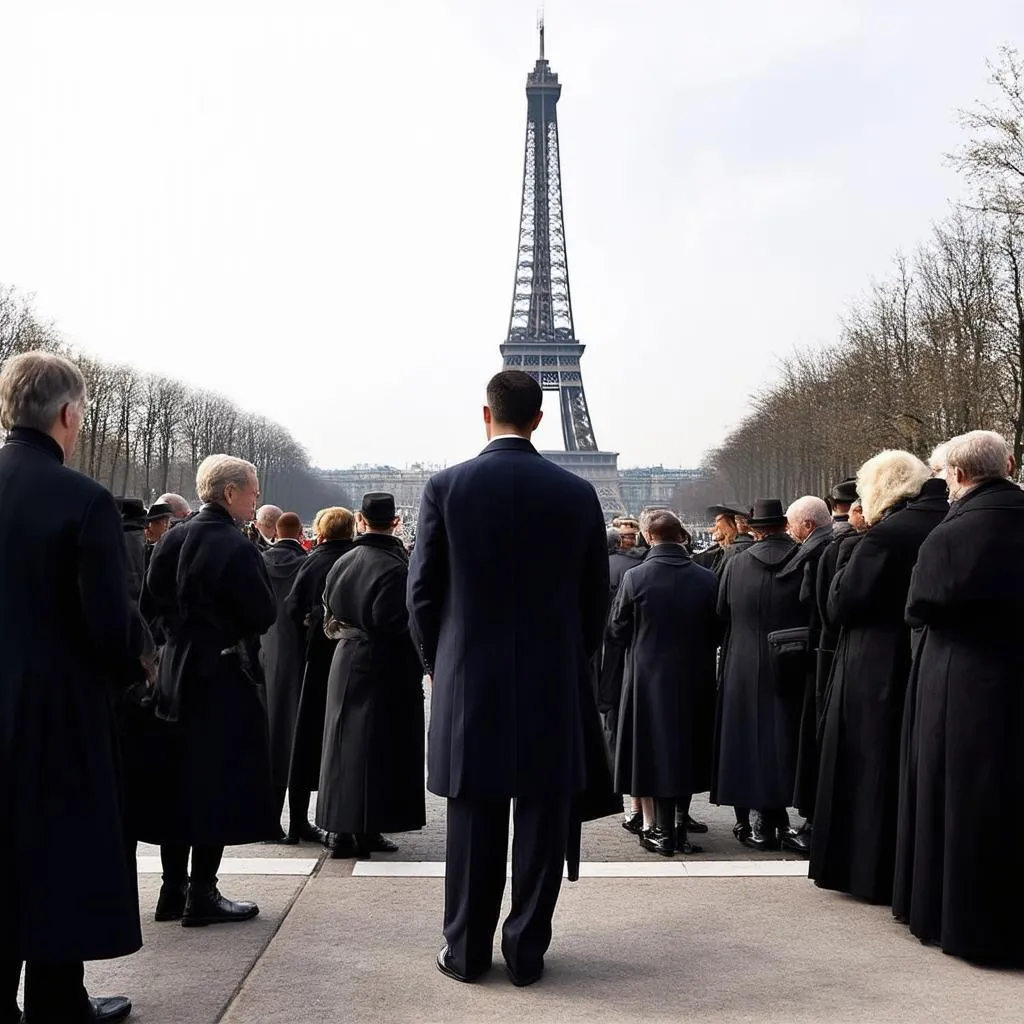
(514, 398)
(179, 506)
(980, 455)
(809, 508)
(664, 527)
(217, 471)
(289, 527)
(646, 515)
(335, 523)
(34, 387)
(268, 515)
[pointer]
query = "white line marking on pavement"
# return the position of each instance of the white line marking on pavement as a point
(609, 869)
(245, 866)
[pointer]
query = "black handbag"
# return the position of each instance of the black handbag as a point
(788, 651)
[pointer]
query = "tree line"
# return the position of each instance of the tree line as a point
(145, 434)
(935, 349)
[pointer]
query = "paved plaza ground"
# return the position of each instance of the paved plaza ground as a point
(713, 938)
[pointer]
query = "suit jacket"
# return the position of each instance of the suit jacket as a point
(507, 626)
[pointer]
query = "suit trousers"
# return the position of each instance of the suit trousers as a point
(54, 992)
(474, 880)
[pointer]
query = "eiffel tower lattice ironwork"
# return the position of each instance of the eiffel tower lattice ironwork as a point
(541, 335)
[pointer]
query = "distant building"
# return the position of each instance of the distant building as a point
(640, 487)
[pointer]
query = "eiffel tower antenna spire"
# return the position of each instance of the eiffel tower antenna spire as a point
(540, 30)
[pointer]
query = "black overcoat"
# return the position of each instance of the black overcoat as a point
(855, 825)
(756, 724)
(210, 588)
(664, 617)
(960, 835)
(305, 605)
(371, 778)
(282, 656)
(805, 563)
(68, 645)
(508, 627)
(609, 686)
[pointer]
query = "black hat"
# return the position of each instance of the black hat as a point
(727, 510)
(378, 507)
(845, 491)
(159, 510)
(767, 512)
(130, 508)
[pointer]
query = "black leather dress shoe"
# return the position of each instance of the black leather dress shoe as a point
(207, 906)
(304, 832)
(634, 825)
(109, 1009)
(521, 979)
(374, 842)
(444, 966)
(344, 847)
(170, 905)
(696, 826)
(762, 837)
(741, 830)
(797, 840)
(657, 840)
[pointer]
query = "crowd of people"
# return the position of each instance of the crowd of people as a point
(868, 675)
(178, 676)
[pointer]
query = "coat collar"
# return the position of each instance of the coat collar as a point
(817, 540)
(287, 544)
(383, 542)
(214, 513)
(36, 439)
(509, 444)
(669, 553)
(990, 494)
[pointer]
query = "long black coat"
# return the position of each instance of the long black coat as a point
(812, 550)
(305, 605)
(372, 774)
(609, 686)
(756, 725)
(282, 655)
(855, 826)
(508, 627)
(664, 617)
(961, 832)
(68, 645)
(210, 587)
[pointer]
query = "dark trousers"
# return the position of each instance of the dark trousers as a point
(474, 880)
(298, 808)
(205, 864)
(54, 993)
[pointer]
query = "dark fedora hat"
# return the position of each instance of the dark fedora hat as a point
(130, 508)
(159, 510)
(378, 507)
(727, 510)
(767, 512)
(845, 491)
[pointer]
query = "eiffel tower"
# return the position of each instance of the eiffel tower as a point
(541, 336)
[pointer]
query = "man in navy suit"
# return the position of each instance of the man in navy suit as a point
(506, 627)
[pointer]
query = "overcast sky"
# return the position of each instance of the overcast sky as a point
(313, 207)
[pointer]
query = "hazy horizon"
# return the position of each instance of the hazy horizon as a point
(315, 212)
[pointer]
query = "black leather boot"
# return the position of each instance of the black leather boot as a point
(764, 834)
(205, 905)
(171, 903)
(657, 840)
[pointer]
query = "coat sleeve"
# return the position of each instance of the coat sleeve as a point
(428, 578)
(297, 603)
(855, 586)
(931, 598)
(389, 613)
(621, 623)
(103, 586)
(595, 582)
(246, 579)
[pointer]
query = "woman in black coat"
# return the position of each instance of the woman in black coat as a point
(305, 605)
(958, 878)
(854, 843)
(209, 586)
(664, 616)
(371, 780)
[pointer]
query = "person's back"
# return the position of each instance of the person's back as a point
(506, 627)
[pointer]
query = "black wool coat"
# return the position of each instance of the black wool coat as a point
(508, 627)
(960, 832)
(756, 724)
(371, 779)
(282, 657)
(609, 686)
(664, 617)
(305, 605)
(69, 645)
(855, 823)
(209, 586)
(805, 563)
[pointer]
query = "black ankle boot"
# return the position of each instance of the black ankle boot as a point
(205, 905)
(171, 903)
(657, 840)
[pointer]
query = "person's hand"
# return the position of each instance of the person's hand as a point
(148, 662)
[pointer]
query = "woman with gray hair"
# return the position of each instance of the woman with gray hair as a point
(209, 587)
(854, 845)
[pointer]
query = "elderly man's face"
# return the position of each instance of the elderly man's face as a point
(627, 538)
(857, 520)
(800, 530)
(156, 528)
(241, 501)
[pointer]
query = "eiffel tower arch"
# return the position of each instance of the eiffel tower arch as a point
(541, 337)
